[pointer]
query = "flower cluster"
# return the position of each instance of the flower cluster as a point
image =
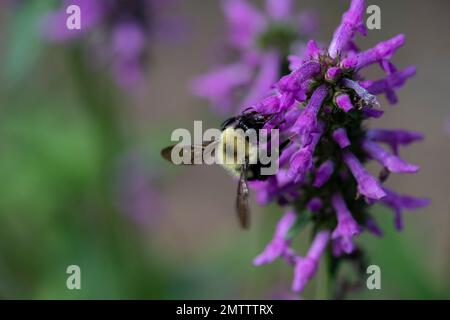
(260, 43)
(118, 32)
(322, 106)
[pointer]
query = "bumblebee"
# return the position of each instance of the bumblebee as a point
(231, 139)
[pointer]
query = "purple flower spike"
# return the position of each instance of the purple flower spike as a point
(119, 33)
(279, 244)
(391, 162)
(314, 205)
(245, 22)
(322, 169)
(128, 45)
(352, 21)
(306, 268)
(347, 227)
(261, 41)
(218, 85)
(344, 103)
(399, 202)
(341, 138)
(323, 174)
(367, 185)
(383, 50)
(279, 9)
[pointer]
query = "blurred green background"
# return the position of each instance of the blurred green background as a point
(81, 180)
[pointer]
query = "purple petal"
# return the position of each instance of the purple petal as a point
(367, 184)
(370, 112)
(268, 105)
(308, 22)
(333, 74)
(279, 243)
(312, 49)
(352, 21)
(383, 50)
(323, 173)
(293, 81)
(343, 102)
(341, 138)
(314, 205)
(301, 162)
(394, 138)
(391, 162)
(307, 122)
(390, 83)
(399, 202)
(218, 86)
(347, 227)
(306, 268)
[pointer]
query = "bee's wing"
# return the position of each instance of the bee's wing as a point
(242, 206)
(195, 151)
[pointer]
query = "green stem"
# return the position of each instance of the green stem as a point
(99, 105)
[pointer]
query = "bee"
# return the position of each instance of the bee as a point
(231, 139)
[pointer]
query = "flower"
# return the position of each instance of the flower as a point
(346, 228)
(398, 202)
(306, 267)
(260, 42)
(119, 32)
(279, 246)
(323, 105)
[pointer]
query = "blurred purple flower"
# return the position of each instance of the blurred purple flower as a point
(323, 105)
(137, 196)
(260, 42)
(120, 32)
